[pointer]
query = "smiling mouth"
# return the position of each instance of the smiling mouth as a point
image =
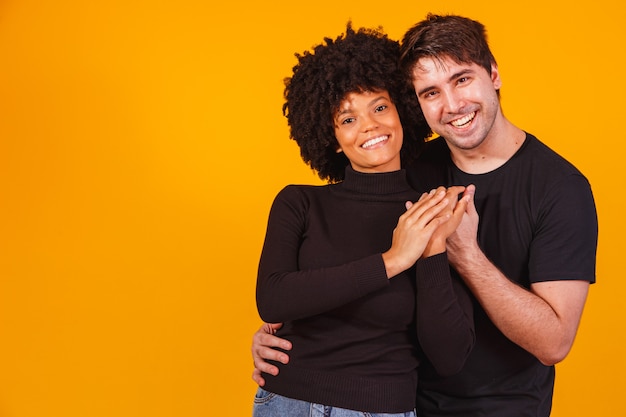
(463, 120)
(374, 141)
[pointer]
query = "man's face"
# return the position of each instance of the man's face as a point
(459, 101)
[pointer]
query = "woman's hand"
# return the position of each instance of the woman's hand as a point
(416, 227)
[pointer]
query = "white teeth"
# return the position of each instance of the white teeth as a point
(374, 141)
(463, 120)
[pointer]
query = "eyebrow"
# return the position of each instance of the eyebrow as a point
(454, 76)
(373, 101)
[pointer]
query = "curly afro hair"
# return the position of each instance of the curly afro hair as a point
(359, 61)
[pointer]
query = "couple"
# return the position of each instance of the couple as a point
(360, 276)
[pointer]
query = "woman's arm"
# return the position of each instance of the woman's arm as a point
(445, 323)
(285, 292)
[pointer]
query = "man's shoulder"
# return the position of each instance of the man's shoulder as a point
(543, 158)
(435, 152)
(436, 147)
(430, 168)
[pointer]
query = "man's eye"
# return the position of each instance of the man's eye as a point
(463, 80)
(347, 120)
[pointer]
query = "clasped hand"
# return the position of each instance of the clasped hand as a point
(423, 229)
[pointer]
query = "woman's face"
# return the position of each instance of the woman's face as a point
(369, 132)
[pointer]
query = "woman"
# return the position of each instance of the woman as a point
(342, 263)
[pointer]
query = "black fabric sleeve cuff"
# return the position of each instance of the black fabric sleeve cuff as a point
(370, 274)
(432, 271)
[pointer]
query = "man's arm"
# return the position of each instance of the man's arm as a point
(542, 320)
(263, 348)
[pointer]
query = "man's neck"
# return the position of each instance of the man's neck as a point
(501, 144)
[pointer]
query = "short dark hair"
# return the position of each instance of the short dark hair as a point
(359, 61)
(439, 36)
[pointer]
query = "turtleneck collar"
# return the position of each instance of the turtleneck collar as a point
(376, 183)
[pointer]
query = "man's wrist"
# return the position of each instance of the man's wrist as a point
(467, 259)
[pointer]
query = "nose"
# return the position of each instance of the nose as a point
(368, 123)
(452, 102)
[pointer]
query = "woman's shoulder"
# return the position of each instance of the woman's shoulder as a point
(299, 191)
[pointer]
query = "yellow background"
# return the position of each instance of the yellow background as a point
(142, 142)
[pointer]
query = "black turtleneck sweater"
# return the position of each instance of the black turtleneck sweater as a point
(354, 332)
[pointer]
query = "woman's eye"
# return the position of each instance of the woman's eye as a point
(381, 107)
(347, 120)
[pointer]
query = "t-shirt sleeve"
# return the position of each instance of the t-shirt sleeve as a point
(565, 242)
(284, 292)
(445, 324)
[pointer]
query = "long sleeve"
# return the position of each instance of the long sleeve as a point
(445, 325)
(284, 292)
(321, 272)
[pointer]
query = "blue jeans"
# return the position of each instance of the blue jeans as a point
(268, 404)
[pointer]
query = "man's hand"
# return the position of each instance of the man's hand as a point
(263, 348)
(463, 242)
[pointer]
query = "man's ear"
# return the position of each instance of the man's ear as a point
(495, 77)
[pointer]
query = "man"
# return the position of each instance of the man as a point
(529, 261)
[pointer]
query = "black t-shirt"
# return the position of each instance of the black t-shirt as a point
(537, 223)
